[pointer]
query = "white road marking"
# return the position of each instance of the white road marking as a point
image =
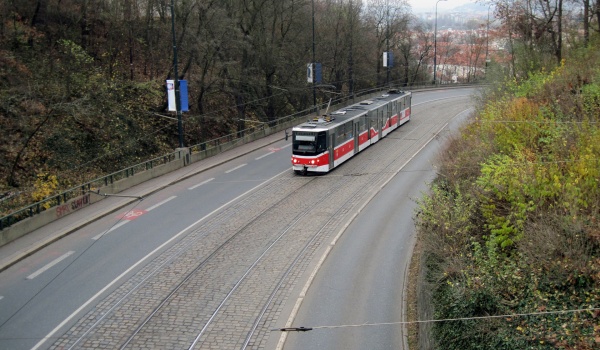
(236, 168)
(49, 265)
(116, 226)
(161, 203)
(202, 183)
(132, 267)
(1, 297)
(273, 151)
(264, 155)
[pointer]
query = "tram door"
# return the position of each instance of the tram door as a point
(331, 147)
(356, 135)
(381, 115)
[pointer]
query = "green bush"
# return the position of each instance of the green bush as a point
(516, 231)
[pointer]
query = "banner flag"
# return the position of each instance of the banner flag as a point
(313, 73)
(183, 94)
(388, 59)
(309, 72)
(171, 95)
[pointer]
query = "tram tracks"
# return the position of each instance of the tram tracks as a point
(184, 306)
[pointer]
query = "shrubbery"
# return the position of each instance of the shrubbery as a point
(511, 227)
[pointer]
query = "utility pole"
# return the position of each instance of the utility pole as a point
(487, 44)
(313, 61)
(176, 78)
(435, 43)
(387, 79)
(350, 59)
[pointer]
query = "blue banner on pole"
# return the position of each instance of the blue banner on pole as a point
(388, 59)
(317, 72)
(183, 96)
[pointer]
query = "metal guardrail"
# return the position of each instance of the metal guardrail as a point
(63, 197)
(82, 189)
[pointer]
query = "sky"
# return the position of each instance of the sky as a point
(429, 5)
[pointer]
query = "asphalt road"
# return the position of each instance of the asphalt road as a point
(46, 294)
(357, 299)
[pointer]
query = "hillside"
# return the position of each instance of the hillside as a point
(83, 83)
(511, 224)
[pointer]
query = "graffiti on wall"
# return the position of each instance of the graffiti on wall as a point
(73, 205)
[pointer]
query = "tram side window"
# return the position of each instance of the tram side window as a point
(340, 136)
(373, 119)
(321, 142)
(349, 131)
(362, 124)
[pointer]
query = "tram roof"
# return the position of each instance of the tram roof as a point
(344, 114)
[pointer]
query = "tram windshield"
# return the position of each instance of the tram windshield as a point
(308, 143)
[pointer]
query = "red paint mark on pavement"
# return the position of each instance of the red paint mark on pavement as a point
(132, 214)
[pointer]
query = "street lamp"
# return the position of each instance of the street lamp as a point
(435, 43)
(176, 79)
(387, 79)
(487, 43)
(313, 61)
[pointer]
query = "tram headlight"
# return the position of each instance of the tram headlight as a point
(312, 161)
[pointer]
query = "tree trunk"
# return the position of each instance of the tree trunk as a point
(559, 30)
(586, 22)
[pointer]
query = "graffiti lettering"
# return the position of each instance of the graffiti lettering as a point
(80, 202)
(75, 204)
(62, 210)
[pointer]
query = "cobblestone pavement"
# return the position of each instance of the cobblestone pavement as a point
(225, 284)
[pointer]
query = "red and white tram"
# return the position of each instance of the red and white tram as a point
(326, 142)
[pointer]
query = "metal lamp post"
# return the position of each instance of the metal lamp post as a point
(487, 44)
(387, 79)
(313, 61)
(435, 44)
(176, 78)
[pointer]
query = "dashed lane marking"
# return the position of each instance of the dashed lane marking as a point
(202, 183)
(116, 226)
(273, 150)
(161, 203)
(236, 168)
(49, 265)
(264, 155)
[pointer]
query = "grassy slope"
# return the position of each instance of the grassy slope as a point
(516, 210)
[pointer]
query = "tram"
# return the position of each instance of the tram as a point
(320, 145)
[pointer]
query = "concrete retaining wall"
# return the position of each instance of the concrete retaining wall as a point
(49, 215)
